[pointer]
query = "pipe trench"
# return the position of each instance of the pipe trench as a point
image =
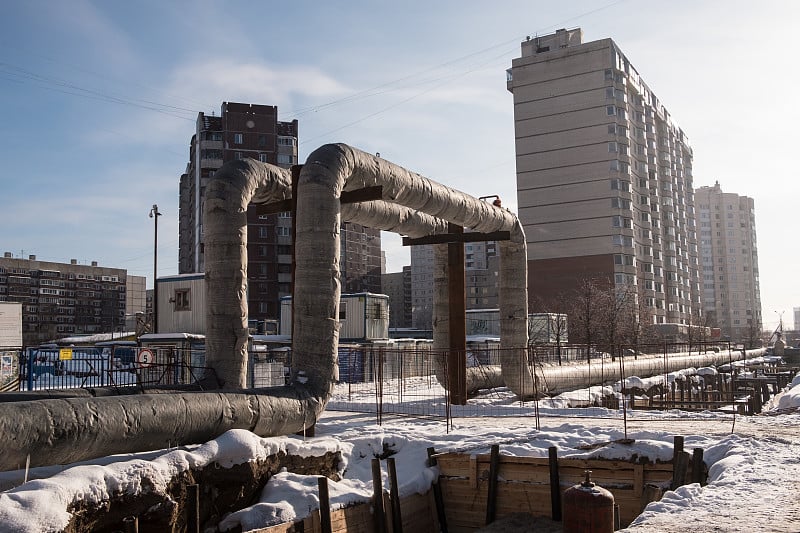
(64, 430)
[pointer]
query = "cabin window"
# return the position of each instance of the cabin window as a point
(181, 300)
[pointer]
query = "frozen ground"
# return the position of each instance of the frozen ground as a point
(753, 485)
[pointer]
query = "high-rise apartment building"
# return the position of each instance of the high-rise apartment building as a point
(361, 258)
(604, 178)
(481, 263)
(250, 130)
(68, 299)
(729, 259)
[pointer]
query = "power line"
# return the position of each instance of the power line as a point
(371, 92)
(66, 87)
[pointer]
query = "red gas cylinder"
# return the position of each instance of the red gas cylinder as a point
(588, 508)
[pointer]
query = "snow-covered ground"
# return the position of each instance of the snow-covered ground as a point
(753, 483)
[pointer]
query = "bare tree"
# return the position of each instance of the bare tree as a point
(619, 317)
(754, 334)
(588, 306)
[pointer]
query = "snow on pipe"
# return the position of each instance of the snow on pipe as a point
(558, 379)
(73, 429)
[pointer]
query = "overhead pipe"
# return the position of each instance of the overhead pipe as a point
(58, 431)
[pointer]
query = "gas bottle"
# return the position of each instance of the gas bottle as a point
(588, 508)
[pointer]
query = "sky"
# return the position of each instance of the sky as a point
(101, 100)
(746, 458)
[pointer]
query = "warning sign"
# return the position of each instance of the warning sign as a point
(65, 354)
(145, 357)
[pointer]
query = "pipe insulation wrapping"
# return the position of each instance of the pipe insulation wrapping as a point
(72, 429)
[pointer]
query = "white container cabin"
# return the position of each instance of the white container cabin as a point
(363, 317)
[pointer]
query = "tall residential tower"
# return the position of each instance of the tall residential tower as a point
(729, 258)
(604, 177)
(250, 130)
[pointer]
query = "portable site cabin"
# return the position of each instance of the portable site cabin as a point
(10, 325)
(186, 348)
(543, 328)
(484, 322)
(547, 328)
(182, 303)
(363, 317)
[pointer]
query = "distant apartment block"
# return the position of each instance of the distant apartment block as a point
(796, 312)
(422, 287)
(68, 299)
(397, 286)
(729, 259)
(604, 178)
(249, 130)
(481, 280)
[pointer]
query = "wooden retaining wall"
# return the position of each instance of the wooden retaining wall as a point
(523, 485)
(475, 493)
(418, 514)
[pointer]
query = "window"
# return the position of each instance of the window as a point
(238, 138)
(623, 260)
(621, 222)
(620, 185)
(620, 203)
(284, 231)
(239, 155)
(611, 110)
(285, 159)
(263, 157)
(181, 299)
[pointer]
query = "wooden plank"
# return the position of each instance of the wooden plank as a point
(457, 315)
(524, 484)
(638, 478)
(453, 237)
(347, 197)
(473, 470)
(419, 513)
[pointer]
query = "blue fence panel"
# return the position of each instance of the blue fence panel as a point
(351, 365)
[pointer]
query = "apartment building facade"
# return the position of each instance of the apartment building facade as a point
(249, 130)
(481, 282)
(69, 299)
(729, 260)
(604, 178)
(397, 286)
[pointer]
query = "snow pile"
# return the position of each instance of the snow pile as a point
(741, 469)
(791, 398)
(41, 505)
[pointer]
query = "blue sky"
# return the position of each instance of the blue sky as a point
(100, 100)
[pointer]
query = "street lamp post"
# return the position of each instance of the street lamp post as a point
(154, 214)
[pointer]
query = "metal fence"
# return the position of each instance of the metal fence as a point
(87, 367)
(403, 381)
